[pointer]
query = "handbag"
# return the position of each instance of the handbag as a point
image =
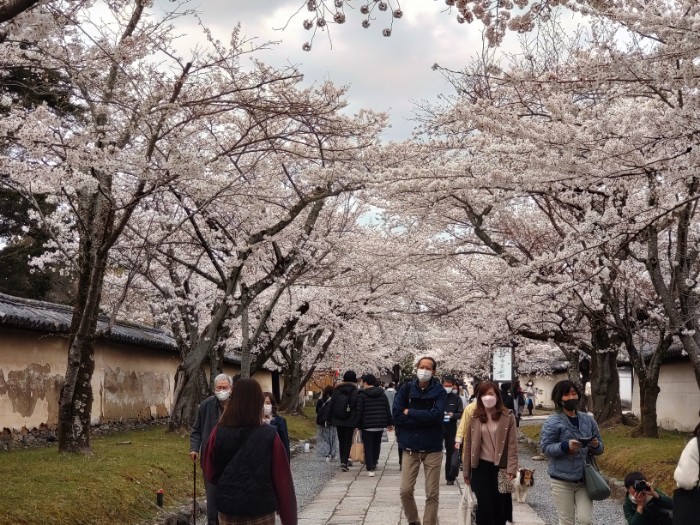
(385, 436)
(466, 514)
(505, 485)
(357, 449)
(596, 486)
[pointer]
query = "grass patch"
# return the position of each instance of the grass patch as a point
(117, 483)
(656, 458)
(302, 426)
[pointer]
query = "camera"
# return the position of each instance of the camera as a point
(584, 441)
(641, 485)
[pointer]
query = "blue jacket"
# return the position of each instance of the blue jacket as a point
(554, 441)
(421, 429)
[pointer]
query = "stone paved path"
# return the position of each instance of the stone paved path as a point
(353, 498)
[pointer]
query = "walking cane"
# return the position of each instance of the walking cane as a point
(194, 493)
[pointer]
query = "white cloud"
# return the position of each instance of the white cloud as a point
(385, 74)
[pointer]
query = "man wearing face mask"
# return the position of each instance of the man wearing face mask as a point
(453, 412)
(419, 410)
(208, 415)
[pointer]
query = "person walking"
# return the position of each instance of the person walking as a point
(271, 416)
(531, 395)
(391, 393)
(208, 415)
(453, 412)
(246, 461)
(567, 438)
(686, 497)
(343, 412)
(326, 439)
(419, 409)
(490, 445)
(373, 415)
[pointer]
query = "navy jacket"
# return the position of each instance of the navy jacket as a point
(453, 404)
(281, 425)
(421, 429)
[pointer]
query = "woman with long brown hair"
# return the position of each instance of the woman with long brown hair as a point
(490, 445)
(246, 460)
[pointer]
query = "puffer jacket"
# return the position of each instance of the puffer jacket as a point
(373, 409)
(421, 429)
(554, 441)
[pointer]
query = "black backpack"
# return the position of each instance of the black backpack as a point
(342, 408)
(324, 413)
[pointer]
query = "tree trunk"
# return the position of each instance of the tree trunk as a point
(605, 380)
(605, 388)
(648, 394)
(190, 391)
(75, 400)
(293, 375)
(290, 401)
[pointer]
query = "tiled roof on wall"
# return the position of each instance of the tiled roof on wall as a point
(42, 316)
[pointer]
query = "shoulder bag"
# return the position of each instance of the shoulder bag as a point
(596, 486)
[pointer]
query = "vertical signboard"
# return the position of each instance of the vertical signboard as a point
(502, 364)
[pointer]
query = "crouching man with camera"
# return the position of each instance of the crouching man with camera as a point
(645, 505)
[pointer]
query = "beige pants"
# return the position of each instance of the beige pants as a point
(572, 501)
(432, 465)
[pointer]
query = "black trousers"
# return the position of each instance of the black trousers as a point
(450, 474)
(373, 444)
(686, 506)
(344, 443)
(493, 507)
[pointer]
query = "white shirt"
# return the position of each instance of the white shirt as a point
(688, 469)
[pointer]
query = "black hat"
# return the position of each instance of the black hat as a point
(350, 376)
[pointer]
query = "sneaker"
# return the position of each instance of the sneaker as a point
(349, 462)
(450, 482)
(344, 467)
(328, 459)
(371, 473)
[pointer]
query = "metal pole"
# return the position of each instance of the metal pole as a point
(194, 493)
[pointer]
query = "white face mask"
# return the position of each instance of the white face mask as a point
(489, 401)
(423, 374)
(267, 409)
(448, 389)
(455, 391)
(223, 395)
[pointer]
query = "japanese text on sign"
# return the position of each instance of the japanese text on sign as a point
(503, 363)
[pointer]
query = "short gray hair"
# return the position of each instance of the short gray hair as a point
(224, 377)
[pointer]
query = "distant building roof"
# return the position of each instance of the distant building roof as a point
(42, 316)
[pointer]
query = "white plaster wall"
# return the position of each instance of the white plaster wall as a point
(544, 386)
(679, 400)
(31, 373)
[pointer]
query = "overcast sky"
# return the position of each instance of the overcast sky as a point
(384, 74)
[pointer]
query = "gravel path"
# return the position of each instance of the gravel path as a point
(310, 475)
(608, 512)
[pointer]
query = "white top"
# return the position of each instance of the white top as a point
(688, 469)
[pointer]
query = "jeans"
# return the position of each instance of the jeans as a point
(432, 463)
(373, 444)
(571, 500)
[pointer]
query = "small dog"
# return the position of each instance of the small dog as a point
(524, 479)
